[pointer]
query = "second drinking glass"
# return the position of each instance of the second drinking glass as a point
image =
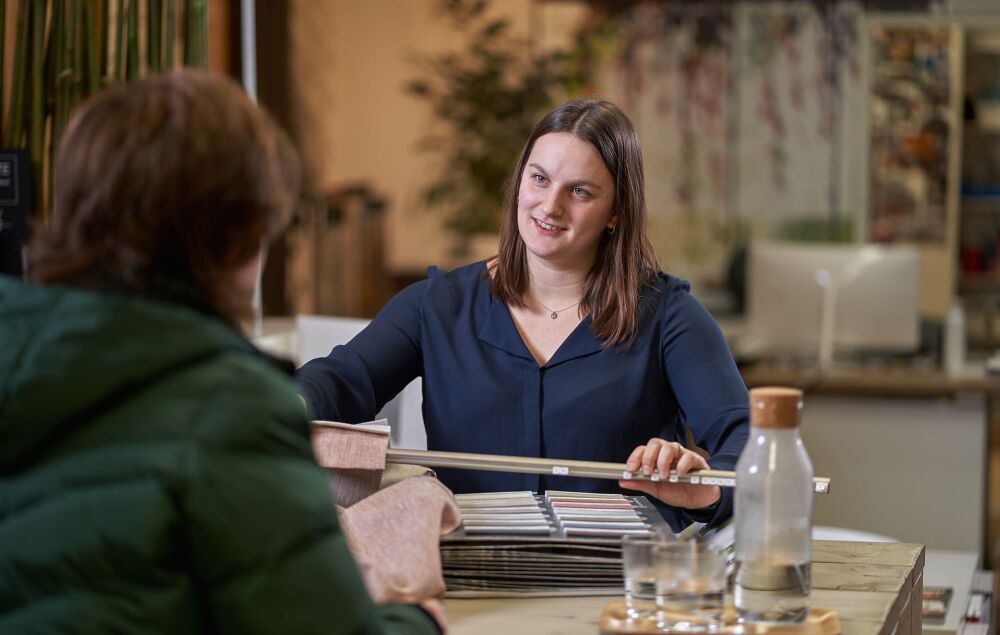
(690, 586)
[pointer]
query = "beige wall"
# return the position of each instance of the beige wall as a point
(350, 63)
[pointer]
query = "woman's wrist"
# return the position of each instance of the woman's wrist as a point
(709, 510)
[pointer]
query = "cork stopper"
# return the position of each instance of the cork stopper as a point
(775, 407)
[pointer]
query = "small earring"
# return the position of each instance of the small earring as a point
(611, 230)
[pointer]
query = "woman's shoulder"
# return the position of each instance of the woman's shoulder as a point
(668, 284)
(443, 292)
(467, 276)
(452, 286)
(663, 289)
(674, 300)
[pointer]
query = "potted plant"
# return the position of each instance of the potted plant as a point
(489, 95)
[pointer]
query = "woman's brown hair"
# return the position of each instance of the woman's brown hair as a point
(625, 258)
(179, 178)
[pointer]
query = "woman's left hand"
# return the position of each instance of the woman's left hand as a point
(663, 456)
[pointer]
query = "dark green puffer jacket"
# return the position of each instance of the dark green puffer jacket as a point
(156, 477)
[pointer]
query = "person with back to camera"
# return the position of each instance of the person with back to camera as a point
(156, 473)
(569, 344)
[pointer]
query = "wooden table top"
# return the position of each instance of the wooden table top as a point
(874, 587)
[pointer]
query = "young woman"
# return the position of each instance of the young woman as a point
(569, 344)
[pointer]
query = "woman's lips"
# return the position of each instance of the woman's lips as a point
(546, 227)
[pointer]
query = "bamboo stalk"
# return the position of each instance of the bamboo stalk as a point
(153, 14)
(186, 32)
(202, 33)
(65, 70)
(170, 7)
(196, 29)
(15, 116)
(103, 40)
(52, 65)
(92, 80)
(79, 50)
(121, 18)
(132, 42)
(36, 120)
(69, 58)
(53, 84)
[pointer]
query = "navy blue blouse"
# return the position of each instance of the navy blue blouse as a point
(483, 391)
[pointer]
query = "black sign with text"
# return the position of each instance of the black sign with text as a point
(15, 207)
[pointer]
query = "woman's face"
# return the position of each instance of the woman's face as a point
(564, 202)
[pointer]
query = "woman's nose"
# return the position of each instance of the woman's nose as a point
(552, 204)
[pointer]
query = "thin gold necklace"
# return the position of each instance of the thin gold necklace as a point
(554, 314)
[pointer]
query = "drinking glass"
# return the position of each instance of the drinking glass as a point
(690, 586)
(639, 573)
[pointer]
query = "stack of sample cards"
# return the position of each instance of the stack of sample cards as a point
(582, 514)
(504, 513)
(523, 544)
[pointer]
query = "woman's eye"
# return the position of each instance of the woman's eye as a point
(579, 191)
(538, 178)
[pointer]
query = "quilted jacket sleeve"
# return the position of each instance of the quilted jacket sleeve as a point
(261, 526)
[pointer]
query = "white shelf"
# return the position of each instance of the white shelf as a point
(950, 569)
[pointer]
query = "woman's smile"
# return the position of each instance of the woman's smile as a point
(547, 227)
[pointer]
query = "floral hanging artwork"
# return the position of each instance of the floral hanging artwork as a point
(799, 56)
(739, 107)
(669, 67)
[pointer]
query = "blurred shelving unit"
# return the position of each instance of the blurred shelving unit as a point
(934, 118)
(336, 264)
(915, 113)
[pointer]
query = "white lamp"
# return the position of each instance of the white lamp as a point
(832, 284)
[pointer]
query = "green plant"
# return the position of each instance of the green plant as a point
(489, 95)
(65, 50)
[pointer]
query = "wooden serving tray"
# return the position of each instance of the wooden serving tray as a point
(820, 622)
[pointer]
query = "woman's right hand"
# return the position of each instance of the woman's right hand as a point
(660, 456)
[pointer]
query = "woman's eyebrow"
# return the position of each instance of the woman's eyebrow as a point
(590, 184)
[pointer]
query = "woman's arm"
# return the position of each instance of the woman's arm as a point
(713, 401)
(355, 380)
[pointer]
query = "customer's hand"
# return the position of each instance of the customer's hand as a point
(435, 608)
(662, 456)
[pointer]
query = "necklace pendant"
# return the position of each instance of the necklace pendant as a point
(553, 315)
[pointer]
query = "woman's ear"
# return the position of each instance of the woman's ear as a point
(612, 223)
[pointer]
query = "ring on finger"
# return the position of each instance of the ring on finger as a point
(680, 448)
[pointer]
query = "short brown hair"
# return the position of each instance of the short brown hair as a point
(176, 178)
(625, 258)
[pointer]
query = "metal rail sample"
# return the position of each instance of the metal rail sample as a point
(560, 467)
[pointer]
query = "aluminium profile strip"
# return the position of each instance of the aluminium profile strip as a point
(560, 467)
